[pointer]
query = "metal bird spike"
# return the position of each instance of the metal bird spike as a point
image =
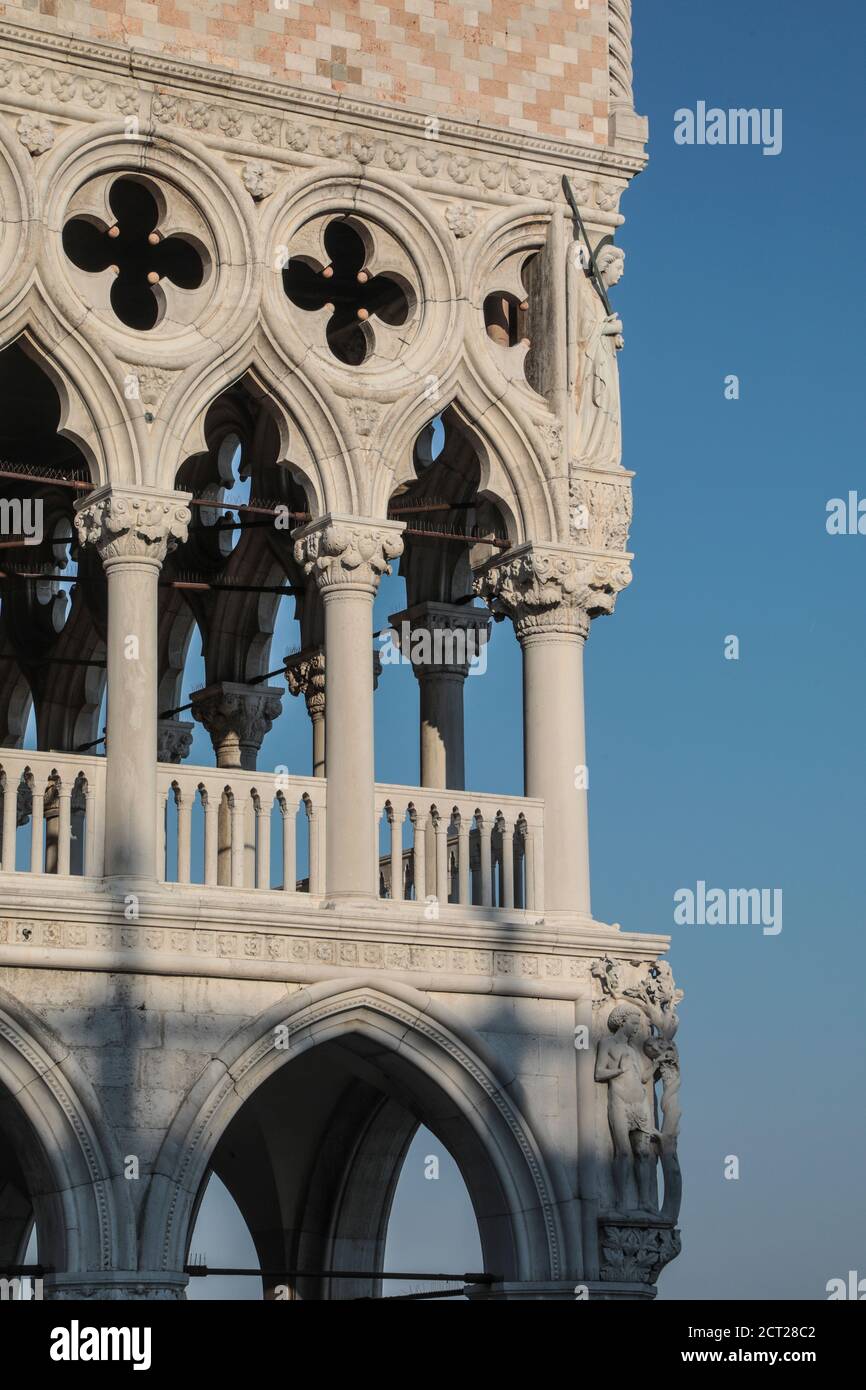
(592, 270)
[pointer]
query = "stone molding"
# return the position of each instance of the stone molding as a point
(345, 552)
(547, 589)
(124, 525)
(116, 64)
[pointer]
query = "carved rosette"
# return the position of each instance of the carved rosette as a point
(142, 525)
(237, 717)
(551, 589)
(343, 552)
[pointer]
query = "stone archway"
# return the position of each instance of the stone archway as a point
(59, 1168)
(306, 1116)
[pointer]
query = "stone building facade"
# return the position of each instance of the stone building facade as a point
(361, 258)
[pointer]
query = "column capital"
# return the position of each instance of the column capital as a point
(551, 588)
(305, 675)
(141, 523)
(348, 552)
(441, 638)
(173, 739)
(237, 717)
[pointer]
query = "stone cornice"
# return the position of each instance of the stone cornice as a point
(184, 930)
(123, 61)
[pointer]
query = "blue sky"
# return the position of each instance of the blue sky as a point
(746, 773)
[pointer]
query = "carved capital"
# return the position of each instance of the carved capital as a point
(636, 1252)
(141, 525)
(347, 552)
(173, 739)
(440, 639)
(305, 675)
(552, 589)
(237, 717)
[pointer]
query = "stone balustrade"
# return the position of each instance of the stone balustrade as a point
(228, 828)
(52, 813)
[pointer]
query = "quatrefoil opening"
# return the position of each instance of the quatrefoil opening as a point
(141, 259)
(365, 309)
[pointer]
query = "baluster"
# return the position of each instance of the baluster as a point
(395, 818)
(507, 864)
(92, 867)
(10, 817)
(211, 839)
(184, 837)
(463, 894)
(441, 837)
(290, 871)
(419, 857)
(238, 840)
(37, 831)
(529, 870)
(485, 832)
(263, 845)
(64, 828)
(316, 855)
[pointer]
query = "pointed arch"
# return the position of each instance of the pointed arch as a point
(419, 1053)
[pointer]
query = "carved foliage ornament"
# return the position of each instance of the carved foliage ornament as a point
(600, 513)
(551, 589)
(341, 552)
(129, 526)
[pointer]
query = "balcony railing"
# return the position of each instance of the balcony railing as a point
(51, 813)
(224, 828)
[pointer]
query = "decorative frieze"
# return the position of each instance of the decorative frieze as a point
(266, 946)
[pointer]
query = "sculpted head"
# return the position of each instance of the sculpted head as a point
(625, 1019)
(611, 265)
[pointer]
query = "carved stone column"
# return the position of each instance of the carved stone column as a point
(441, 640)
(346, 556)
(237, 717)
(551, 593)
(305, 675)
(626, 127)
(133, 531)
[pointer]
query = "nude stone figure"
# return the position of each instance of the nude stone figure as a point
(627, 1070)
